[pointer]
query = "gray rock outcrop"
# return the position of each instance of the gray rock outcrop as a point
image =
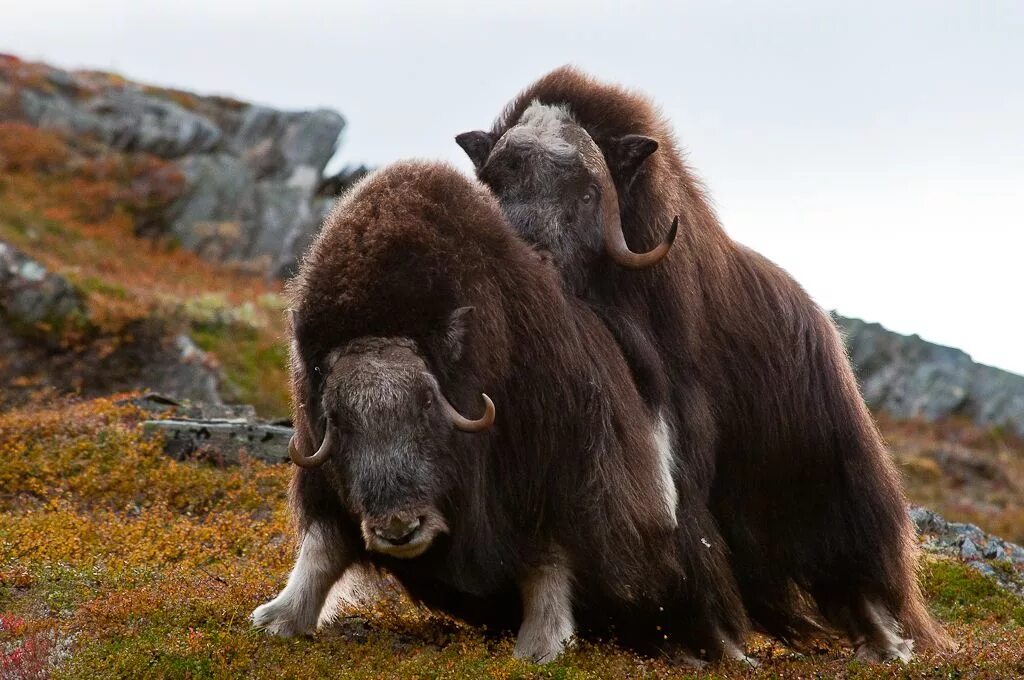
(908, 377)
(251, 173)
(970, 544)
(38, 307)
(31, 295)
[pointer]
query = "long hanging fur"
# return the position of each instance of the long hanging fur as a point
(772, 425)
(570, 461)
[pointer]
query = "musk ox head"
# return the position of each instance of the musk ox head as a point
(557, 190)
(389, 431)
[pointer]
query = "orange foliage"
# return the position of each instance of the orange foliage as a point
(99, 203)
(25, 148)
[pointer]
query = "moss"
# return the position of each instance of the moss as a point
(255, 365)
(960, 594)
(93, 285)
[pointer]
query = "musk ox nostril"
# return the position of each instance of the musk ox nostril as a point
(398, 531)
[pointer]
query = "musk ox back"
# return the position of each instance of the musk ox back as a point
(560, 504)
(768, 416)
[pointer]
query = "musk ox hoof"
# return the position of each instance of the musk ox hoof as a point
(278, 617)
(538, 650)
(899, 650)
(690, 661)
(746, 661)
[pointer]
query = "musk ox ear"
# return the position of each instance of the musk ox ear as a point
(477, 145)
(627, 154)
(452, 341)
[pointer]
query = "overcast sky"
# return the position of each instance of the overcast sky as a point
(874, 150)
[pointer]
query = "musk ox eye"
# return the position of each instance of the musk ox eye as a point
(426, 399)
(589, 196)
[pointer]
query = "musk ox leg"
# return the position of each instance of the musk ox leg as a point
(323, 558)
(361, 586)
(732, 651)
(548, 624)
(880, 637)
(871, 628)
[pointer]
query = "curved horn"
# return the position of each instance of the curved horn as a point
(322, 454)
(464, 424)
(615, 244)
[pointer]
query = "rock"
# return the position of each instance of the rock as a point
(972, 546)
(188, 373)
(994, 551)
(340, 182)
(968, 551)
(208, 218)
(224, 441)
(125, 120)
(162, 404)
(908, 377)
(278, 144)
(251, 173)
(37, 306)
(31, 296)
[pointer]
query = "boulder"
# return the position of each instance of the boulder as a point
(251, 173)
(981, 551)
(125, 120)
(908, 377)
(32, 297)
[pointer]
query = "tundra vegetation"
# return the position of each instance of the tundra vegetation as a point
(117, 561)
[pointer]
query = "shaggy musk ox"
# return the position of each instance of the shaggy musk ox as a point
(555, 508)
(766, 413)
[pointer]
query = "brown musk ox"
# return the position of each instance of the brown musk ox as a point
(764, 407)
(555, 509)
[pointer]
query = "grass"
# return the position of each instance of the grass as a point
(117, 561)
(76, 209)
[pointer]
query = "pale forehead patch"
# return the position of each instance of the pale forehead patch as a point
(543, 125)
(546, 115)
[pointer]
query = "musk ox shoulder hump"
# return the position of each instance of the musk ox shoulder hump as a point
(605, 110)
(410, 236)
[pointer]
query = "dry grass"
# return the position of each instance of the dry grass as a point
(963, 471)
(116, 561)
(77, 211)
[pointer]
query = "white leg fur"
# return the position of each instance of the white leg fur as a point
(296, 609)
(734, 652)
(666, 469)
(883, 640)
(359, 587)
(548, 624)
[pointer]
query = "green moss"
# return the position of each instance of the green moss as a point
(255, 366)
(959, 594)
(93, 284)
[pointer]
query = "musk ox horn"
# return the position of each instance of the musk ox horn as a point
(464, 424)
(615, 244)
(322, 454)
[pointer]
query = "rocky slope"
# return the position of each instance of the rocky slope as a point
(249, 174)
(908, 377)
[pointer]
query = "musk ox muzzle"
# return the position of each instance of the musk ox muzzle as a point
(403, 534)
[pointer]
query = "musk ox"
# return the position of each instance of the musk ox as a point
(765, 408)
(558, 509)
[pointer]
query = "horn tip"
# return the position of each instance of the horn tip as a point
(670, 238)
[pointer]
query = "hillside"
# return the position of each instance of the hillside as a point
(143, 234)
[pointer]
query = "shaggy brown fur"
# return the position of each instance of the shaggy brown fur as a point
(569, 462)
(771, 421)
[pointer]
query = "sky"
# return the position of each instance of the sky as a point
(875, 150)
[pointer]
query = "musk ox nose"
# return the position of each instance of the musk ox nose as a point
(397, 530)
